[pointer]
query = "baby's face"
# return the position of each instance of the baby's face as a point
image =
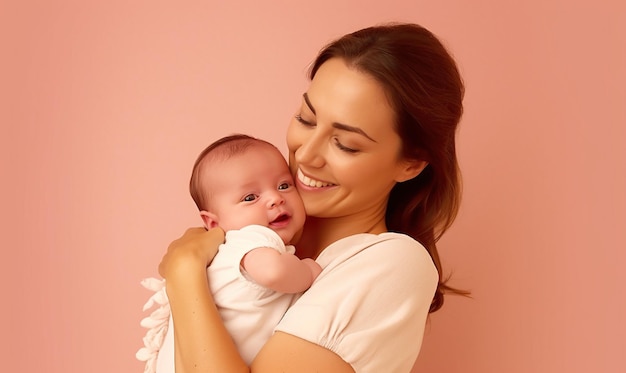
(255, 187)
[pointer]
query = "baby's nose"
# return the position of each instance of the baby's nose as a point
(276, 199)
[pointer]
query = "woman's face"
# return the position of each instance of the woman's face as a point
(343, 149)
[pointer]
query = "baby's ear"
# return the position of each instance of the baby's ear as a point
(209, 219)
(410, 168)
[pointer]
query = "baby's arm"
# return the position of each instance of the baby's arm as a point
(284, 273)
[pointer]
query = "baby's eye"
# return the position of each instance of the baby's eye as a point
(249, 198)
(283, 186)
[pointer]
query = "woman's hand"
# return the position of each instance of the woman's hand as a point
(200, 336)
(196, 247)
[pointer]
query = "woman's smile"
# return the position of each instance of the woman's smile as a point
(309, 182)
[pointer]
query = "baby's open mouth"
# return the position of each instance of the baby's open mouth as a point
(281, 218)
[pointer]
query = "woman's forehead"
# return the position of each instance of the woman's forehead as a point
(346, 95)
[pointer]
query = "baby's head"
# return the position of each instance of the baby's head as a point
(239, 180)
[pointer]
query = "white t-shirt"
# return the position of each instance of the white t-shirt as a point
(369, 305)
(249, 310)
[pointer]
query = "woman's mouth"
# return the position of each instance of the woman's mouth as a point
(311, 182)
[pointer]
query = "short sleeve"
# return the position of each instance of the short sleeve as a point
(254, 236)
(226, 265)
(369, 305)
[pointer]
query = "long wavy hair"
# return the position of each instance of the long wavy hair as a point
(423, 85)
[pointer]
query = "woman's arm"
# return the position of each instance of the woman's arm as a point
(202, 342)
(287, 353)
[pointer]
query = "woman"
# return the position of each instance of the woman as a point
(372, 148)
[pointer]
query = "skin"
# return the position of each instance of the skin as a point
(347, 110)
(343, 135)
(256, 187)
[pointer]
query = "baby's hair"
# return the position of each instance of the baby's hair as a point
(220, 150)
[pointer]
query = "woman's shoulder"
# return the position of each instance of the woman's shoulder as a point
(388, 247)
(385, 260)
(370, 302)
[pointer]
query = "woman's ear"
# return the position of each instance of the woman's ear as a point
(410, 169)
(209, 219)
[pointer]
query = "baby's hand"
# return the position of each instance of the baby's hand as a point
(316, 269)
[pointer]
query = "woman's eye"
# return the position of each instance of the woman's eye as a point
(249, 198)
(304, 121)
(345, 148)
(283, 186)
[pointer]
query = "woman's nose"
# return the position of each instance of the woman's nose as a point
(310, 152)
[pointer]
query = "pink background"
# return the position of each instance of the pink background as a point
(104, 106)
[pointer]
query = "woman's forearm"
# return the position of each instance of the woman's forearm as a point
(202, 342)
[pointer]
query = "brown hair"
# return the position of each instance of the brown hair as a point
(424, 87)
(228, 146)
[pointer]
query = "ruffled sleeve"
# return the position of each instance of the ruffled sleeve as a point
(157, 323)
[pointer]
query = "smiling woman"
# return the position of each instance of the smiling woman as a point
(345, 117)
(372, 150)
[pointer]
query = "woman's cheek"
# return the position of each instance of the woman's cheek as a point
(291, 136)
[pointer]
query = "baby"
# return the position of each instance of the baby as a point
(244, 186)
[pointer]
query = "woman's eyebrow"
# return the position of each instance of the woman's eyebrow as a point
(336, 125)
(345, 127)
(308, 103)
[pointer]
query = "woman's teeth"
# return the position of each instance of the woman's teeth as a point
(310, 182)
